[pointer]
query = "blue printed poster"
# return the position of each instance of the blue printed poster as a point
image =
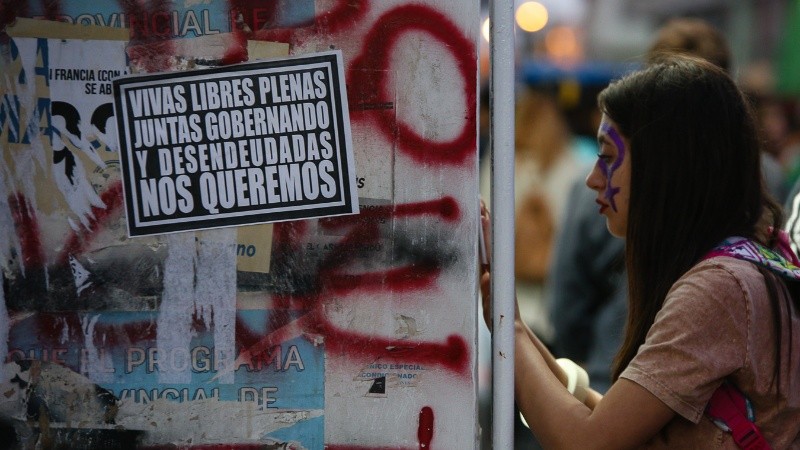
(276, 395)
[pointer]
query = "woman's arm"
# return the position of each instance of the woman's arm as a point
(626, 417)
(549, 358)
(485, 285)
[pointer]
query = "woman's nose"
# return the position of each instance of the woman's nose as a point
(595, 180)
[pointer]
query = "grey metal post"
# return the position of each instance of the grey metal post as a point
(501, 84)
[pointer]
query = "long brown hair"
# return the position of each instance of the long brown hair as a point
(695, 178)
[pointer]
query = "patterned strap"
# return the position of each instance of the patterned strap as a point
(781, 260)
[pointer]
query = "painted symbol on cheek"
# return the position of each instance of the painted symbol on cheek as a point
(609, 171)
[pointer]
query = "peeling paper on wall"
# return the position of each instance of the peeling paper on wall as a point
(45, 158)
(199, 281)
(176, 311)
(215, 298)
(66, 91)
(215, 420)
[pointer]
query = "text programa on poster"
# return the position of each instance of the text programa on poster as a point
(249, 143)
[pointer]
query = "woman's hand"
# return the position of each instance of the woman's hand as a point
(484, 264)
(486, 297)
(485, 234)
(486, 273)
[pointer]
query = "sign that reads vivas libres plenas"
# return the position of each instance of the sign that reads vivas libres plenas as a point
(249, 143)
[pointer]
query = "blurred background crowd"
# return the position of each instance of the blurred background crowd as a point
(569, 271)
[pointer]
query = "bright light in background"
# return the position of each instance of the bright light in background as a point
(485, 29)
(531, 16)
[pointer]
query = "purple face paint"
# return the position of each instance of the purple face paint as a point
(609, 171)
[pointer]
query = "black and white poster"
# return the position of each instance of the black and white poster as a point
(249, 143)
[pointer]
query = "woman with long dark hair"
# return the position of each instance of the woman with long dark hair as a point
(711, 353)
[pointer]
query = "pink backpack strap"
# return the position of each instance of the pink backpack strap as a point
(730, 410)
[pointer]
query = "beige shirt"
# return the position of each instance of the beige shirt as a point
(717, 323)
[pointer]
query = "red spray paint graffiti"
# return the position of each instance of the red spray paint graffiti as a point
(256, 20)
(27, 228)
(453, 354)
(367, 81)
(78, 241)
(332, 278)
(11, 9)
(154, 52)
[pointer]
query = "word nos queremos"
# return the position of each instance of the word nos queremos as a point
(233, 175)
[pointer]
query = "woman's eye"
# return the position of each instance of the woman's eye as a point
(604, 157)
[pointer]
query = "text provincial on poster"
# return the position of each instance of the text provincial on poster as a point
(249, 143)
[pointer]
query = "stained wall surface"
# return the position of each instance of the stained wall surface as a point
(347, 332)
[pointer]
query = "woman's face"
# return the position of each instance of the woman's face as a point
(611, 176)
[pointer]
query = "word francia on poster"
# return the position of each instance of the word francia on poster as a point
(256, 143)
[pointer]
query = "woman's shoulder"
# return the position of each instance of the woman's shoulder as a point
(720, 282)
(724, 269)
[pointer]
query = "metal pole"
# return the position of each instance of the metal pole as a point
(501, 95)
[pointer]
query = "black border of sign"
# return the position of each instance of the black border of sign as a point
(343, 140)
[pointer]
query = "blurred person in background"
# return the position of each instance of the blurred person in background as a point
(546, 162)
(696, 37)
(545, 165)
